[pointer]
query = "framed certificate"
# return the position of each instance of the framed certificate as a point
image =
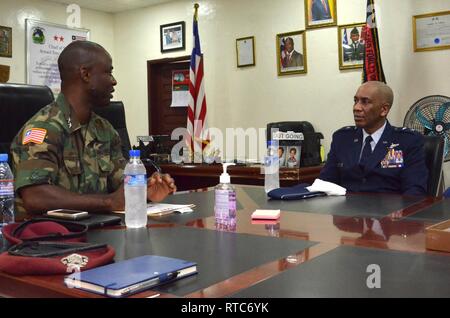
(245, 51)
(431, 31)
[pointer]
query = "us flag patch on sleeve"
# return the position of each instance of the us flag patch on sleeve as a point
(36, 135)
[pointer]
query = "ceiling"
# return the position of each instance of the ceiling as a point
(112, 6)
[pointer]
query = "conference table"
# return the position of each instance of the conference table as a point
(321, 247)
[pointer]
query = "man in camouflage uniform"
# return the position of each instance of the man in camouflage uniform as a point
(66, 156)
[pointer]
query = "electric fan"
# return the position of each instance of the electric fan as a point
(431, 116)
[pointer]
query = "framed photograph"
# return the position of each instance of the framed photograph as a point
(245, 51)
(351, 46)
(431, 31)
(173, 36)
(291, 53)
(320, 13)
(293, 156)
(282, 156)
(5, 41)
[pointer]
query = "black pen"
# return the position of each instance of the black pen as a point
(157, 168)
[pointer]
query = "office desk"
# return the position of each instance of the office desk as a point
(316, 239)
(196, 176)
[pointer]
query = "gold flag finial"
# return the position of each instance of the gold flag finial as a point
(196, 6)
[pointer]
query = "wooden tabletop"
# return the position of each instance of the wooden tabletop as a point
(260, 252)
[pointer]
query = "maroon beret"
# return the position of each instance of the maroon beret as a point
(48, 247)
(41, 229)
(73, 257)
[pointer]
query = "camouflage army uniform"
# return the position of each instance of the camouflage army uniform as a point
(84, 159)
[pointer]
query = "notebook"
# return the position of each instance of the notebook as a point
(131, 276)
(100, 220)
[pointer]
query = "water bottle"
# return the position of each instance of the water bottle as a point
(6, 192)
(135, 178)
(225, 202)
(271, 167)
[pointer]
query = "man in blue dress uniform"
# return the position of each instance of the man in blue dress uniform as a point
(374, 156)
(320, 10)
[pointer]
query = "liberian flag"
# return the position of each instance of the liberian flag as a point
(373, 69)
(196, 121)
(36, 135)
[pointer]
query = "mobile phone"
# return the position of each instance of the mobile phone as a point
(68, 214)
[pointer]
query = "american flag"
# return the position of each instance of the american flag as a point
(36, 135)
(345, 38)
(373, 69)
(196, 120)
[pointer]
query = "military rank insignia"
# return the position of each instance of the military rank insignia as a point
(393, 158)
(36, 135)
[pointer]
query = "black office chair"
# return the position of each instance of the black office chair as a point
(18, 103)
(434, 157)
(310, 153)
(115, 114)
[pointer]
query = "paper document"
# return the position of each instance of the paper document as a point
(164, 208)
(157, 209)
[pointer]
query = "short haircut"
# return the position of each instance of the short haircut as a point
(354, 31)
(289, 39)
(76, 54)
(293, 149)
(385, 91)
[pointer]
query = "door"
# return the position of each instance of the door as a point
(163, 119)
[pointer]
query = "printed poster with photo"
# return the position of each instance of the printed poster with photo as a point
(45, 42)
(180, 88)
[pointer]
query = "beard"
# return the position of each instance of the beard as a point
(100, 98)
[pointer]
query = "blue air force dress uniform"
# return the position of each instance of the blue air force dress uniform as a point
(396, 165)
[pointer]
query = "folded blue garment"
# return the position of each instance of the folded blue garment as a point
(296, 192)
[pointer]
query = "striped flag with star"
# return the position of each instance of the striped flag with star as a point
(196, 120)
(35, 135)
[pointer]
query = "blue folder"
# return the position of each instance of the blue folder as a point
(131, 276)
(296, 192)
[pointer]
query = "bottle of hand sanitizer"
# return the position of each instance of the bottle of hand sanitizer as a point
(225, 203)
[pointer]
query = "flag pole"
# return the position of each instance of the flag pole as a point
(196, 6)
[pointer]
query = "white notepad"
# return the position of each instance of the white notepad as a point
(165, 208)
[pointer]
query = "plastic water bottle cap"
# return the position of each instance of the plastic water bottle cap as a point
(135, 153)
(3, 157)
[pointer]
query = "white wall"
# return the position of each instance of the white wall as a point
(251, 97)
(14, 12)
